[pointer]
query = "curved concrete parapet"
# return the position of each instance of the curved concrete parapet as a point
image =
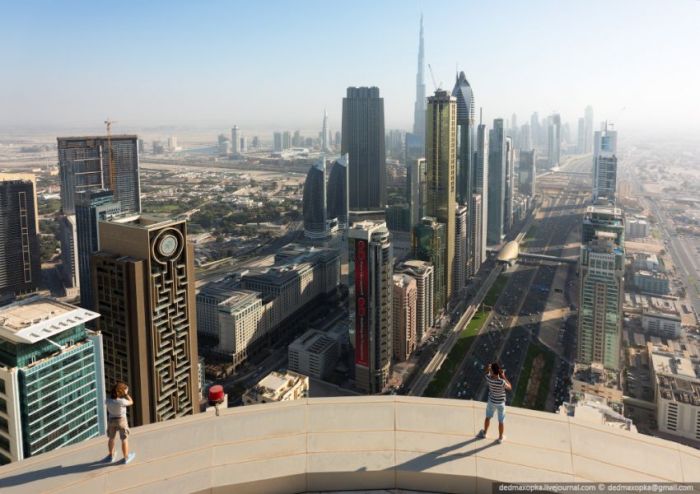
(354, 443)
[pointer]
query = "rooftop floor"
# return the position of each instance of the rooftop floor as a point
(356, 443)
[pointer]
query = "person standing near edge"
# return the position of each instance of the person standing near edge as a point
(116, 421)
(498, 385)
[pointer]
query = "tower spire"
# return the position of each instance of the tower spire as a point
(419, 106)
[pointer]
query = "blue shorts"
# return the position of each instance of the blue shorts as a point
(492, 407)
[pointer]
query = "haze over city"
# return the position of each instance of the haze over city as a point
(276, 64)
(302, 247)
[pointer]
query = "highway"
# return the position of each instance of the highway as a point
(517, 318)
(420, 384)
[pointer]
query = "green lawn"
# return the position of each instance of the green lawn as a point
(442, 378)
(533, 351)
(496, 289)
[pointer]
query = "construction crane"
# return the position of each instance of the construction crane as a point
(432, 76)
(112, 170)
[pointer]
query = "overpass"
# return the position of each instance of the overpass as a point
(510, 252)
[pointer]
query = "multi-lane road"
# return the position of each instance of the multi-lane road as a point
(535, 305)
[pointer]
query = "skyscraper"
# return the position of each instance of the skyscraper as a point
(497, 183)
(603, 217)
(91, 207)
(419, 106)
(423, 273)
(465, 137)
(601, 291)
(404, 316)
(605, 165)
(588, 129)
(286, 140)
(535, 130)
(363, 141)
(51, 378)
(524, 138)
(554, 140)
(476, 245)
(441, 172)
(20, 259)
(481, 175)
(324, 133)
(143, 280)
(314, 205)
(277, 142)
(526, 173)
(371, 292)
(337, 192)
(417, 192)
(581, 141)
(67, 237)
(510, 186)
(88, 163)
(429, 245)
(462, 254)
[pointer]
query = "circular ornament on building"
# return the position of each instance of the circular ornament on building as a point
(168, 245)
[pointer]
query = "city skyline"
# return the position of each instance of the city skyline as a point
(159, 67)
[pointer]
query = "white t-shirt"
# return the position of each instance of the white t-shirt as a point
(116, 408)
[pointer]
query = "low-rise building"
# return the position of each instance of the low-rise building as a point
(278, 386)
(677, 393)
(661, 324)
(637, 228)
(651, 282)
(314, 354)
(594, 409)
(595, 380)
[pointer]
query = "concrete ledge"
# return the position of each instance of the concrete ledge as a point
(355, 443)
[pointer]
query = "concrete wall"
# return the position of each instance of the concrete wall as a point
(354, 443)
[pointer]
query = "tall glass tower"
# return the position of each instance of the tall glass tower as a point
(601, 291)
(314, 205)
(605, 165)
(88, 163)
(497, 182)
(441, 171)
(337, 192)
(20, 262)
(364, 143)
(51, 378)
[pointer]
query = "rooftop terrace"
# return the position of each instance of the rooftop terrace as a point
(356, 443)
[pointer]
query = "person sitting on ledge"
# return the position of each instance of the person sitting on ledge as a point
(498, 385)
(117, 402)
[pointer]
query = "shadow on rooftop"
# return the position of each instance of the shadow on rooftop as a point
(434, 458)
(54, 471)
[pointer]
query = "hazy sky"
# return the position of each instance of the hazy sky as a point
(276, 64)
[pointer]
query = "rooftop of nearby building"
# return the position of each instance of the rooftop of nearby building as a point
(594, 409)
(596, 374)
(314, 341)
(668, 362)
(37, 318)
(356, 443)
(239, 299)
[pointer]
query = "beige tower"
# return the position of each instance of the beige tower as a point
(404, 317)
(441, 157)
(143, 279)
